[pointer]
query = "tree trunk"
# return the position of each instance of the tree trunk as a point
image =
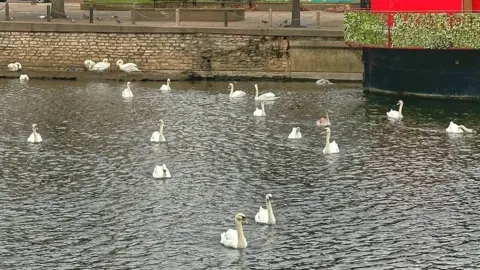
(58, 9)
(295, 13)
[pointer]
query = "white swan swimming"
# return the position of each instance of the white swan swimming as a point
(266, 215)
(396, 114)
(14, 66)
(88, 64)
(266, 96)
(24, 78)
(166, 87)
(235, 238)
(35, 136)
(161, 172)
(127, 93)
(323, 121)
(157, 136)
(101, 66)
(260, 112)
(323, 82)
(128, 67)
(295, 134)
(330, 147)
(235, 94)
(454, 128)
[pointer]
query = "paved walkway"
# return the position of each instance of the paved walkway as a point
(24, 11)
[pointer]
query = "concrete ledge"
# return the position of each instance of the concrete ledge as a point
(428, 96)
(135, 29)
(339, 77)
(190, 14)
(318, 43)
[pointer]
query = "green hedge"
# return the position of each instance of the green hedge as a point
(466, 30)
(366, 28)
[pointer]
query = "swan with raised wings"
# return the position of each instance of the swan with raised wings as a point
(14, 66)
(323, 82)
(266, 216)
(127, 67)
(266, 96)
(157, 136)
(101, 66)
(330, 147)
(235, 238)
(166, 87)
(454, 128)
(127, 92)
(161, 172)
(260, 112)
(396, 114)
(235, 94)
(88, 64)
(24, 78)
(295, 134)
(35, 136)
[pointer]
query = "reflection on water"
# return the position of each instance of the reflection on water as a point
(398, 195)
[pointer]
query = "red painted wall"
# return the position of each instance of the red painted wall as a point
(476, 5)
(420, 5)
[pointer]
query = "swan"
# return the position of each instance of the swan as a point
(14, 66)
(166, 86)
(101, 66)
(266, 96)
(235, 94)
(157, 136)
(260, 112)
(396, 114)
(235, 238)
(330, 147)
(128, 67)
(161, 172)
(323, 121)
(266, 215)
(454, 128)
(24, 78)
(89, 64)
(34, 137)
(295, 134)
(127, 93)
(323, 82)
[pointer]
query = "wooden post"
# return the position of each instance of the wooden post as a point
(270, 17)
(49, 13)
(7, 12)
(91, 14)
(177, 17)
(318, 19)
(225, 18)
(132, 15)
(467, 5)
(295, 13)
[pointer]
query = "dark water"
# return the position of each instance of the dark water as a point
(398, 195)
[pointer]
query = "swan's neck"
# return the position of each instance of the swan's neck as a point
(263, 107)
(168, 83)
(328, 119)
(128, 86)
(327, 141)
(231, 90)
(269, 211)
(400, 108)
(35, 135)
(161, 130)
(256, 91)
(241, 237)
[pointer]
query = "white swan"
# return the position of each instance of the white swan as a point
(166, 87)
(128, 67)
(24, 78)
(396, 114)
(266, 215)
(323, 82)
(161, 172)
(35, 136)
(89, 64)
(260, 112)
(235, 238)
(14, 66)
(454, 128)
(157, 136)
(101, 66)
(295, 134)
(330, 147)
(237, 93)
(127, 93)
(266, 96)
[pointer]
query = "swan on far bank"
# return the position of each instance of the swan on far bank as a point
(295, 134)
(260, 112)
(157, 136)
(396, 114)
(323, 82)
(101, 66)
(127, 67)
(235, 94)
(127, 92)
(161, 172)
(14, 66)
(24, 78)
(454, 128)
(235, 238)
(265, 96)
(330, 147)
(266, 216)
(88, 64)
(166, 87)
(35, 136)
